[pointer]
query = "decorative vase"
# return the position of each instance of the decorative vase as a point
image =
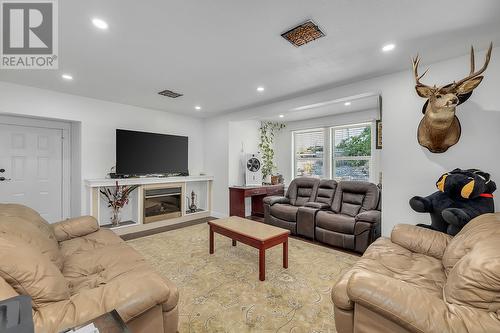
(267, 180)
(115, 217)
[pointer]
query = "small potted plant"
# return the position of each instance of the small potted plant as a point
(117, 199)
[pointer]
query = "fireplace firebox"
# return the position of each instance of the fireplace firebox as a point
(162, 203)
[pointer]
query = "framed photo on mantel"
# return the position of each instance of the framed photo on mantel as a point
(378, 135)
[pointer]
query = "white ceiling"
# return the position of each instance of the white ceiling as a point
(357, 103)
(217, 52)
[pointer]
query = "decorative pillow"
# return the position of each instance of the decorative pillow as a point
(31, 273)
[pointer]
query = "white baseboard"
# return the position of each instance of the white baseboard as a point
(218, 215)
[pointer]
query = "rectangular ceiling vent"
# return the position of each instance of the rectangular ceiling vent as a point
(170, 93)
(303, 33)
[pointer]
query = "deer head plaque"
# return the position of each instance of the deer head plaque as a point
(440, 129)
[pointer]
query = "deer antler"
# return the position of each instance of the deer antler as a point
(472, 60)
(472, 65)
(416, 62)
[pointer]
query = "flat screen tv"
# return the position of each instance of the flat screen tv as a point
(141, 153)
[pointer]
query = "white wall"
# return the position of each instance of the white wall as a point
(99, 119)
(283, 142)
(216, 163)
(243, 139)
(408, 169)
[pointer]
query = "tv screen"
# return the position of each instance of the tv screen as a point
(141, 153)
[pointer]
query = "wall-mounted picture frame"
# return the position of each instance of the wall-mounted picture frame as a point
(378, 134)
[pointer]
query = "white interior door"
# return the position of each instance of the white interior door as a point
(31, 168)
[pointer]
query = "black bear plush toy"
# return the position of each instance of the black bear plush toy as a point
(462, 195)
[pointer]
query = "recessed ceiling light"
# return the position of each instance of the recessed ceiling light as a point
(101, 24)
(388, 47)
(260, 89)
(197, 107)
(347, 103)
(282, 115)
(67, 77)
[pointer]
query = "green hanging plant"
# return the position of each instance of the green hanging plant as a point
(268, 131)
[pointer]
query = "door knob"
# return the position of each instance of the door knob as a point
(2, 179)
(2, 170)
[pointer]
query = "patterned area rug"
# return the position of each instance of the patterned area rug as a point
(222, 292)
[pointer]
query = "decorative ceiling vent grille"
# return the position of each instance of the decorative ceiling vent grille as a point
(170, 93)
(303, 33)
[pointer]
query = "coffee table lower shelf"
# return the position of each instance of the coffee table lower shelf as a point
(261, 244)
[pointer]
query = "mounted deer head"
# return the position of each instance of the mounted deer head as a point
(439, 129)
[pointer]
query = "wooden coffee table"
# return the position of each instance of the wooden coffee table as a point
(258, 235)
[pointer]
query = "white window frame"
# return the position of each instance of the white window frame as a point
(325, 149)
(331, 153)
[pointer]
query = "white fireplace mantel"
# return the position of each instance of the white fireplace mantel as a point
(102, 182)
(201, 185)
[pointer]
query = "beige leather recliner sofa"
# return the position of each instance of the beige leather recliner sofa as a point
(422, 280)
(74, 272)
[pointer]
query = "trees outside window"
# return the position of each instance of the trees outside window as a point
(351, 158)
(344, 152)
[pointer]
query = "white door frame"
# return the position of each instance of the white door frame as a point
(66, 151)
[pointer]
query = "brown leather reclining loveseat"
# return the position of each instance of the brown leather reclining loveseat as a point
(345, 214)
(353, 221)
(422, 280)
(74, 272)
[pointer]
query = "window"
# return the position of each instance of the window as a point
(351, 152)
(340, 153)
(309, 153)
